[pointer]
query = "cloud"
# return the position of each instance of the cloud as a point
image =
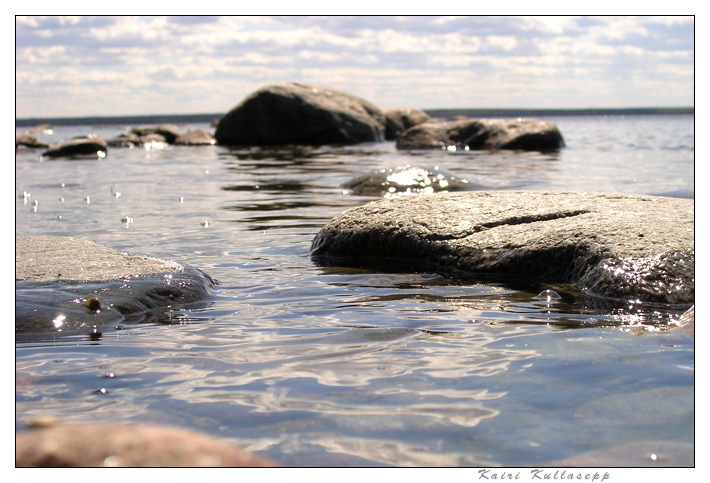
(210, 63)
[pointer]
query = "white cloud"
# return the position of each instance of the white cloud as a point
(211, 63)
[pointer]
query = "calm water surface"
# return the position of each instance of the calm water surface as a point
(335, 366)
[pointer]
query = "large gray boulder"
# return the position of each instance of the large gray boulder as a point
(612, 245)
(295, 113)
(399, 119)
(477, 134)
(65, 284)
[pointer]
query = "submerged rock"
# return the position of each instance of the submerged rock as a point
(92, 146)
(56, 279)
(399, 119)
(115, 445)
(474, 134)
(612, 245)
(406, 180)
(295, 113)
(635, 454)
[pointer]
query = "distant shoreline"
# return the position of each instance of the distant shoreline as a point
(440, 113)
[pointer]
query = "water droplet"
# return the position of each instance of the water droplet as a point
(548, 295)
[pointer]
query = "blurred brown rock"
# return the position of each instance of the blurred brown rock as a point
(113, 445)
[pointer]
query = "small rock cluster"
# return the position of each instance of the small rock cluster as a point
(95, 147)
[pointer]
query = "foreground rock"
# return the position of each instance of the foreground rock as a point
(295, 113)
(90, 146)
(65, 284)
(475, 134)
(618, 246)
(405, 180)
(113, 445)
(399, 119)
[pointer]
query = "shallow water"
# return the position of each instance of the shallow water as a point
(311, 365)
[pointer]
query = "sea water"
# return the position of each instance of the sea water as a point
(310, 365)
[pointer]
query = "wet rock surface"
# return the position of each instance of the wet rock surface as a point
(294, 113)
(113, 445)
(480, 134)
(65, 284)
(611, 245)
(406, 180)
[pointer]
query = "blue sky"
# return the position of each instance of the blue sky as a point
(107, 66)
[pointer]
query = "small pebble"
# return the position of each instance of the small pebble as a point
(94, 304)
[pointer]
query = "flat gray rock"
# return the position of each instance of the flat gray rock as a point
(56, 279)
(612, 245)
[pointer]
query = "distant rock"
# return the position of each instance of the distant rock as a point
(167, 131)
(92, 146)
(27, 140)
(43, 128)
(406, 180)
(195, 137)
(135, 446)
(151, 138)
(295, 113)
(126, 140)
(611, 245)
(475, 134)
(399, 119)
(56, 279)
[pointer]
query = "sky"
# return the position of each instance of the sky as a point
(127, 65)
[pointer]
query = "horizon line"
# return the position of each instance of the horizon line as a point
(442, 112)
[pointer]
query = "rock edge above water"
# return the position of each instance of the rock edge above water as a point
(612, 245)
(489, 134)
(55, 276)
(115, 445)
